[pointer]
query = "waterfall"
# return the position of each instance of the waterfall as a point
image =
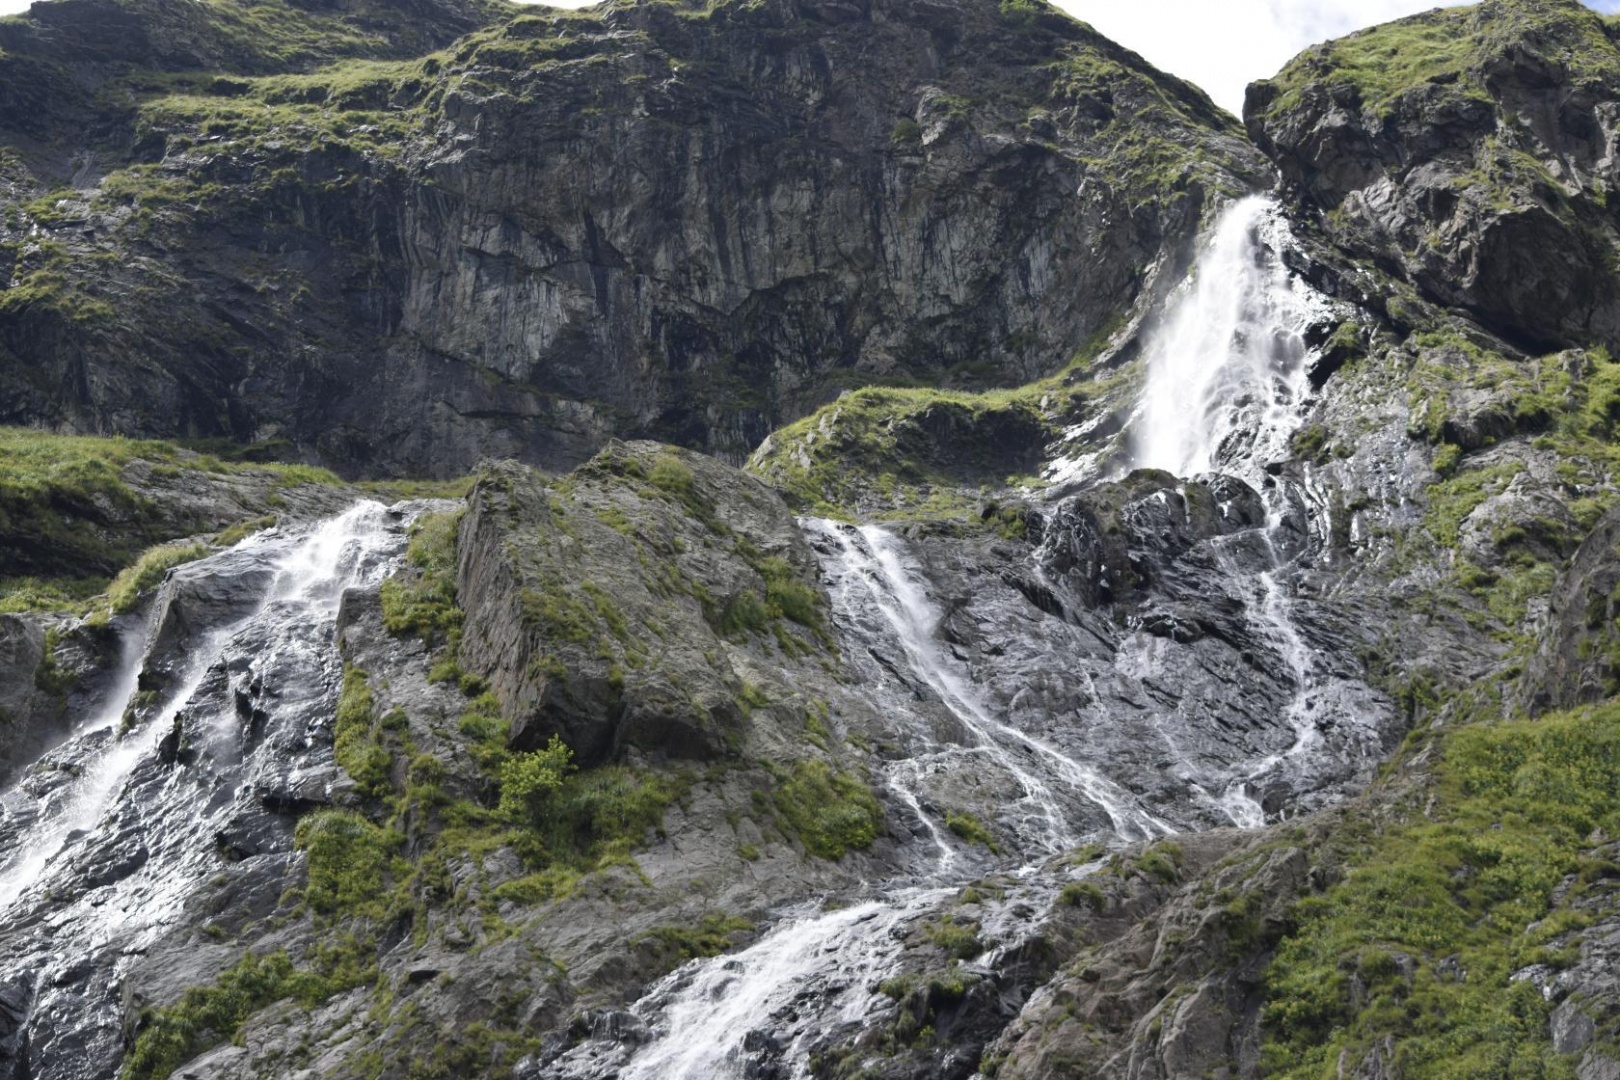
(103, 841)
(816, 972)
(1224, 388)
(871, 560)
(1226, 367)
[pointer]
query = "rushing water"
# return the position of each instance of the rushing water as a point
(1226, 368)
(1224, 384)
(218, 706)
(107, 836)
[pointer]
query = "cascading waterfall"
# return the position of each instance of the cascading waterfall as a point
(1225, 382)
(1226, 379)
(817, 970)
(1226, 369)
(872, 560)
(107, 836)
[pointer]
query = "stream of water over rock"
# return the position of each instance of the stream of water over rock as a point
(1054, 721)
(1225, 381)
(215, 723)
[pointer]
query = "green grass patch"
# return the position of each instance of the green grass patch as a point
(713, 935)
(424, 605)
(970, 828)
(148, 571)
(830, 812)
(355, 737)
(1453, 48)
(206, 1016)
(1466, 888)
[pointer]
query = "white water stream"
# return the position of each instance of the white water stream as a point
(300, 575)
(1226, 378)
(1225, 382)
(1226, 368)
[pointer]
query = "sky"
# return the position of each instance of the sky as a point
(1222, 45)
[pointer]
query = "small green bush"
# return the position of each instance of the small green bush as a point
(1083, 894)
(970, 828)
(355, 739)
(529, 782)
(351, 862)
(830, 812)
(960, 940)
(425, 606)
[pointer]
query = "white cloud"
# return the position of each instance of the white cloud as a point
(1222, 45)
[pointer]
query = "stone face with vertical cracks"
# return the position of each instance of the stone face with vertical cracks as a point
(648, 219)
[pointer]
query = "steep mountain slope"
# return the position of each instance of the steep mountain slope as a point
(1226, 692)
(688, 221)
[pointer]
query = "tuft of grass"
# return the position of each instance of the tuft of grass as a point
(354, 737)
(205, 1016)
(1084, 894)
(970, 828)
(830, 812)
(713, 935)
(959, 939)
(149, 570)
(425, 606)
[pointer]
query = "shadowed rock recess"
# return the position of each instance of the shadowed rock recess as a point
(968, 561)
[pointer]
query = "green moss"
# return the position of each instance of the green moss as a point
(148, 571)
(713, 935)
(959, 939)
(355, 741)
(877, 451)
(49, 676)
(1466, 886)
(244, 529)
(830, 812)
(1450, 48)
(27, 594)
(424, 605)
(206, 1016)
(1083, 894)
(70, 516)
(970, 828)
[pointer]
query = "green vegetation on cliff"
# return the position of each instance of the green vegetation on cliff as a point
(916, 452)
(1453, 47)
(77, 510)
(1441, 907)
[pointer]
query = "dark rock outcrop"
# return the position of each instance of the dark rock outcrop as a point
(690, 223)
(1579, 658)
(597, 611)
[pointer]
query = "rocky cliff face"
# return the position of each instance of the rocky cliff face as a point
(1019, 758)
(687, 222)
(1469, 152)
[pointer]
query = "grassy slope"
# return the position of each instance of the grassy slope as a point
(1452, 46)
